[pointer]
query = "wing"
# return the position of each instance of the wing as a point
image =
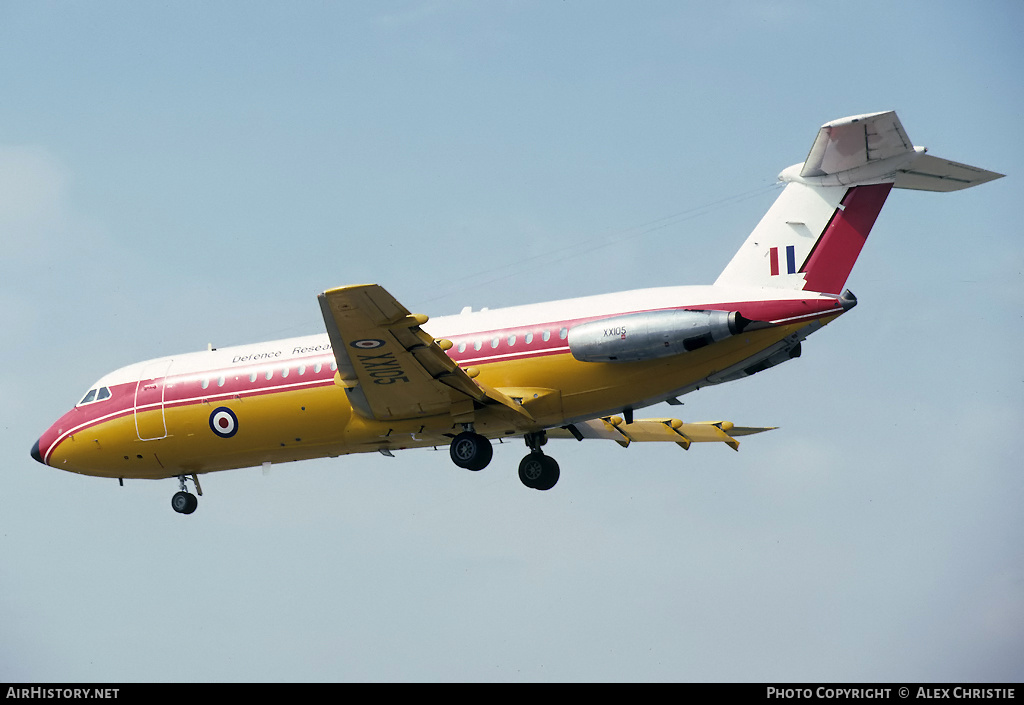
(646, 430)
(390, 367)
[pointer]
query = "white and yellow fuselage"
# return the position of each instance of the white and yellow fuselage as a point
(281, 400)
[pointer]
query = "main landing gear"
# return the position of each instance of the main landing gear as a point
(184, 502)
(538, 471)
(470, 450)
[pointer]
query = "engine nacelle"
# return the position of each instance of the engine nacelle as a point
(649, 336)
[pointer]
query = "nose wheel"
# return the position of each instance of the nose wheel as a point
(183, 501)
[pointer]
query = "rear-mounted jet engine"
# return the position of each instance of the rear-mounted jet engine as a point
(651, 335)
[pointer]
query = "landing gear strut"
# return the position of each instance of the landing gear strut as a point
(471, 451)
(537, 471)
(183, 502)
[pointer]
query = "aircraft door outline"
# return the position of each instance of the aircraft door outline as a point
(149, 390)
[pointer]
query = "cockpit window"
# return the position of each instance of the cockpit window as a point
(94, 395)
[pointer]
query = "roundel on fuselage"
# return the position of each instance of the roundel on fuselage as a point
(223, 422)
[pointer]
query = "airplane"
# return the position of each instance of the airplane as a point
(380, 379)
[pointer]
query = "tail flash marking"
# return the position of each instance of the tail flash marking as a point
(832, 258)
(773, 260)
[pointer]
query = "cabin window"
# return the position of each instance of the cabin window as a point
(302, 370)
(511, 340)
(462, 347)
(205, 383)
(220, 381)
(546, 336)
(270, 374)
(316, 368)
(529, 338)
(252, 376)
(494, 342)
(334, 366)
(563, 334)
(284, 372)
(477, 345)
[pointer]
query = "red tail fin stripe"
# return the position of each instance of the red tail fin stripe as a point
(830, 262)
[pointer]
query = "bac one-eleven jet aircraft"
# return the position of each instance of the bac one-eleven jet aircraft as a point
(382, 379)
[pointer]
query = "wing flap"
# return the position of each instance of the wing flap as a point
(658, 430)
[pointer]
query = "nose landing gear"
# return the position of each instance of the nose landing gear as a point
(184, 502)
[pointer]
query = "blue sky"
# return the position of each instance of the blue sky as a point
(173, 175)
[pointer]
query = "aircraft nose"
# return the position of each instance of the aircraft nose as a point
(35, 452)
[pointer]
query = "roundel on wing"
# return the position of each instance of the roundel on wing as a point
(367, 343)
(223, 422)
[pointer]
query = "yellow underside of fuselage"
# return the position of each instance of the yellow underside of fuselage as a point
(319, 422)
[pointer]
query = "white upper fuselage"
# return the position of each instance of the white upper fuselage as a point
(487, 324)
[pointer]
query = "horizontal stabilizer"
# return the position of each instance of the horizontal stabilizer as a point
(855, 141)
(928, 173)
(874, 148)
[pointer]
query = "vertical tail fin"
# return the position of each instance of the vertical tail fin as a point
(812, 235)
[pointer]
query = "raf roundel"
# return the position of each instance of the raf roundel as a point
(367, 344)
(223, 422)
